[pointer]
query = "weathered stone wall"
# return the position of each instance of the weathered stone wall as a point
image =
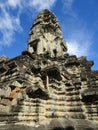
(45, 86)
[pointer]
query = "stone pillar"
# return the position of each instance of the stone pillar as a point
(47, 82)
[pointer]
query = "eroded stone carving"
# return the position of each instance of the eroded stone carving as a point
(45, 87)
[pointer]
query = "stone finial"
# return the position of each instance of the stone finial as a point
(45, 36)
(4, 58)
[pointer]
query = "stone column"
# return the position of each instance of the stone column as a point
(47, 82)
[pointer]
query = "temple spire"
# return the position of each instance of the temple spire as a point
(45, 35)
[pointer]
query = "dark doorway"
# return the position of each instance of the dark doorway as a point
(69, 128)
(58, 128)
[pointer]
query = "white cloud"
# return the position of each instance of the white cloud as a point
(79, 42)
(68, 4)
(42, 4)
(9, 23)
(14, 3)
(68, 7)
(78, 36)
(76, 48)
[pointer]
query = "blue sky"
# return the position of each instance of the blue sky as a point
(78, 20)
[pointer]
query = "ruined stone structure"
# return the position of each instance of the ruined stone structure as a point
(45, 88)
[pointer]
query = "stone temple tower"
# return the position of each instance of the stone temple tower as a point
(45, 88)
(45, 36)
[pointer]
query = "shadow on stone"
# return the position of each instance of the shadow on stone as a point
(58, 128)
(89, 129)
(69, 128)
